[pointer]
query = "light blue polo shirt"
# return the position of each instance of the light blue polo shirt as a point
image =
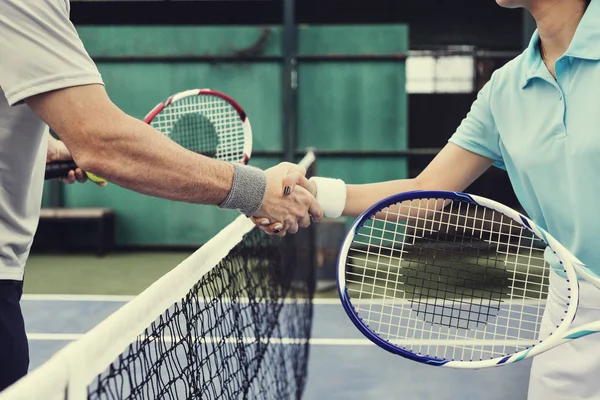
(546, 134)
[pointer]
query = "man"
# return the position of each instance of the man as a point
(539, 119)
(48, 79)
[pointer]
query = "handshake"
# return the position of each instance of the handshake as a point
(291, 200)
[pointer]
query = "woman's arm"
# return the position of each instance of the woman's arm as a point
(453, 169)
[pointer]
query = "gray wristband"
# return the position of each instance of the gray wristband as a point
(248, 190)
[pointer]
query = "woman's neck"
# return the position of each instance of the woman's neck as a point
(557, 21)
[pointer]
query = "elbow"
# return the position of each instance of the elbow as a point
(419, 183)
(91, 156)
(90, 161)
(90, 151)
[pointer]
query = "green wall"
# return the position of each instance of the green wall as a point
(342, 106)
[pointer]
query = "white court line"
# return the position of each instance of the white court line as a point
(313, 341)
(76, 297)
(125, 299)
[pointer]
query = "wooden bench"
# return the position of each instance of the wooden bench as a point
(103, 218)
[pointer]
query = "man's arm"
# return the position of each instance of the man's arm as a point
(107, 142)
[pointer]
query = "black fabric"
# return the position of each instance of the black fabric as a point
(14, 350)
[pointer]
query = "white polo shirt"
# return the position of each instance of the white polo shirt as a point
(40, 51)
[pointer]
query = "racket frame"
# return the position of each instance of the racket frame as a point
(247, 128)
(571, 265)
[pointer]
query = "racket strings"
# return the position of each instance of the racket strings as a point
(465, 283)
(428, 261)
(185, 132)
(507, 238)
(205, 124)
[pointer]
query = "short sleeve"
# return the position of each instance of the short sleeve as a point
(40, 50)
(478, 133)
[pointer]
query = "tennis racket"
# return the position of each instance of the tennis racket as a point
(201, 120)
(456, 280)
(207, 122)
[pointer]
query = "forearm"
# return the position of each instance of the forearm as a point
(105, 141)
(360, 197)
(453, 169)
(134, 155)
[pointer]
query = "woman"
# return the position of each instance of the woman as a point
(539, 119)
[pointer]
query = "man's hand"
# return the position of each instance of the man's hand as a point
(57, 151)
(289, 201)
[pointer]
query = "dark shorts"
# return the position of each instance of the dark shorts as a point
(14, 351)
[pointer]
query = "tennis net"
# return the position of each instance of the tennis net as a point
(232, 321)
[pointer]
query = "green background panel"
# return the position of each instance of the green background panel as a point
(354, 39)
(352, 106)
(358, 170)
(176, 40)
(137, 87)
(46, 200)
(343, 106)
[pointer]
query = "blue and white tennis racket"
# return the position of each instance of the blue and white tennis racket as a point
(456, 280)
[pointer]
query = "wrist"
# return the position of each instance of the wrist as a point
(331, 195)
(247, 191)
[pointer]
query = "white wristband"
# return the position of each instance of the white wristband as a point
(331, 195)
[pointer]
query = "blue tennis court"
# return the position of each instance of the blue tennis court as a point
(342, 364)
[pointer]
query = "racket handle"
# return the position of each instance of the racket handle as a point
(59, 169)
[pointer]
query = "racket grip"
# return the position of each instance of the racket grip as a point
(59, 169)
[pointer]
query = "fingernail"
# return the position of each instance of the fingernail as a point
(287, 190)
(265, 222)
(278, 229)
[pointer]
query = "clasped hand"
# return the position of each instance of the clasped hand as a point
(289, 202)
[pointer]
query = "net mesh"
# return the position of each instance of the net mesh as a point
(449, 279)
(232, 321)
(231, 337)
(205, 124)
